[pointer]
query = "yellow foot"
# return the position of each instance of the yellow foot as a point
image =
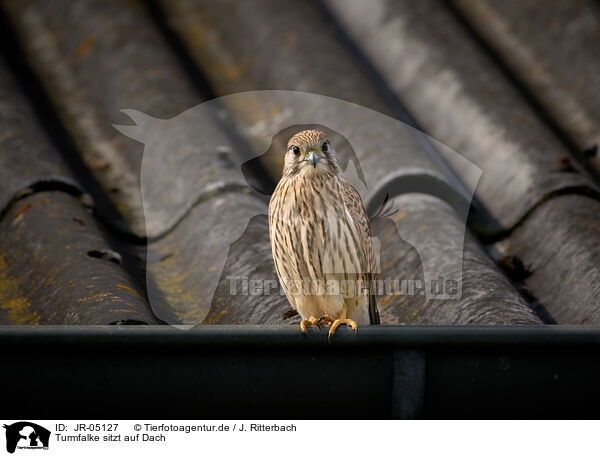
(312, 321)
(342, 321)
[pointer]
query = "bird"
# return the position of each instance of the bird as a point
(321, 238)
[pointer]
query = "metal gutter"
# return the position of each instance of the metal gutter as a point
(273, 336)
(263, 372)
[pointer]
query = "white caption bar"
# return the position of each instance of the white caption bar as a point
(152, 437)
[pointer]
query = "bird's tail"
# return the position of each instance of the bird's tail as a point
(373, 310)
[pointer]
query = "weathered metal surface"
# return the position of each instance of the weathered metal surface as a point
(248, 291)
(190, 266)
(487, 295)
(28, 160)
(552, 47)
(187, 159)
(238, 53)
(100, 58)
(563, 261)
(57, 267)
(463, 100)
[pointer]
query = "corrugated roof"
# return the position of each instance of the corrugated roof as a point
(62, 263)
(462, 99)
(100, 58)
(28, 159)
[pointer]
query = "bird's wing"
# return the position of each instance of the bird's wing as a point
(277, 228)
(356, 208)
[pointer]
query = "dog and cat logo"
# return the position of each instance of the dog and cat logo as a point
(25, 435)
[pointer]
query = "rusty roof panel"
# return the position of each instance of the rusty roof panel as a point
(462, 99)
(27, 157)
(563, 260)
(57, 267)
(100, 58)
(553, 47)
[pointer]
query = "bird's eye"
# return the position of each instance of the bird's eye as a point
(325, 147)
(296, 150)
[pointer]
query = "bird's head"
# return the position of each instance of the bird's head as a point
(310, 153)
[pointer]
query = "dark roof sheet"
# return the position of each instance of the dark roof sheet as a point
(553, 48)
(57, 267)
(462, 98)
(187, 263)
(487, 296)
(307, 62)
(100, 58)
(28, 159)
(57, 264)
(559, 244)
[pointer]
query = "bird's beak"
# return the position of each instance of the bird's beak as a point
(313, 158)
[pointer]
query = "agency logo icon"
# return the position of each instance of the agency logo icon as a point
(26, 436)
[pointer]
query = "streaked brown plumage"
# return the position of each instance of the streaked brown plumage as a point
(320, 237)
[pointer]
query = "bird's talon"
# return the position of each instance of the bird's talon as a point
(312, 321)
(339, 322)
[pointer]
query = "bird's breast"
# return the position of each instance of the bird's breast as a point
(312, 235)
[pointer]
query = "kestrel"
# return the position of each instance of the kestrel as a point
(321, 238)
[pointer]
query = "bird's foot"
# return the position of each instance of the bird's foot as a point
(312, 321)
(341, 321)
